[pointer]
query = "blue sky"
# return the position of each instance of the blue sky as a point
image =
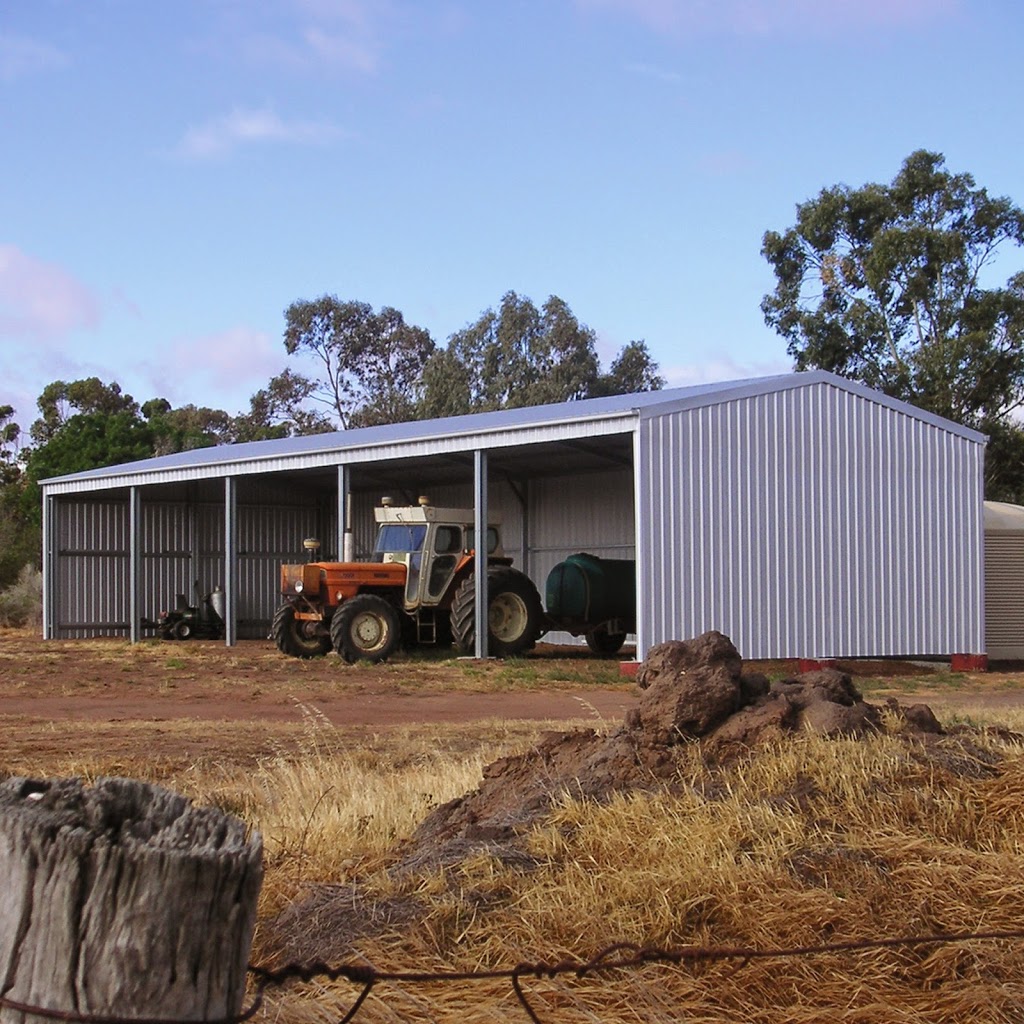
(174, 173)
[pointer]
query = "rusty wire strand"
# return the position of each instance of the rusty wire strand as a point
(616, 956)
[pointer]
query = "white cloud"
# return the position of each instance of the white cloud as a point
(225, 367)
(721, 368)
(20, 55)
(303, 35)
(41, 301)
(340, 49)
(772, 17)
(224, 134)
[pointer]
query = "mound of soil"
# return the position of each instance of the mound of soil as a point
(692, 691)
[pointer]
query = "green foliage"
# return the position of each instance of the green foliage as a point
(10, 433)
(888, 284)
(632, 371)
(372, 362)
(521, 356)
(86, 424)
(19, 539)
(278, 411)
(187, 428)
(85, 440)
(61, 400)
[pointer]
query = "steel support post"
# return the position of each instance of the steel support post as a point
(230, 561)
(480, 562)
(49, 566)
(344, 538)
(134, 564)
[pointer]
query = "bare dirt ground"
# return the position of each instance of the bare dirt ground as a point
(182, 702)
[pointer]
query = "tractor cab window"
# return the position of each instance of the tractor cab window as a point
(448, 540)
(403, 542)
(447, 552)
(492, 539)
(399, 539)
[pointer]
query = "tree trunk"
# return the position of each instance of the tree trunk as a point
(123, 899)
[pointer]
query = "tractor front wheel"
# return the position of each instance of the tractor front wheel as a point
(514, 614)
(299, 638)
(365, 627)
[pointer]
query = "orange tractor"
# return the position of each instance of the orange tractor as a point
(419, 587)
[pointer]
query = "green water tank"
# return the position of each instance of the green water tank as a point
(588, 589)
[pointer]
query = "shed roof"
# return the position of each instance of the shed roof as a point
(509, 429)
(1002, 517)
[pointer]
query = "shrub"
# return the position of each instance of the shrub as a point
(21, 604)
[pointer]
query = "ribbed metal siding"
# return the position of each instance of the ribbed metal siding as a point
(1004, 594)
(181, 545)
(166, 558)
(811, 522)
(592, 513)
(91, 574)
(266, 538)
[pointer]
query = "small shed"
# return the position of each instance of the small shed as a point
(804, 515)
(1004, 580)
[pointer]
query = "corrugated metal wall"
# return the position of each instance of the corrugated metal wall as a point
(181, 545)
(91, 576)
(598, 519)
(811, 522)
(1004, 594)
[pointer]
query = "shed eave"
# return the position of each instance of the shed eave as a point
(556, 429)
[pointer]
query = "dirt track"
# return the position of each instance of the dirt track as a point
(183, 701)
(108, 680)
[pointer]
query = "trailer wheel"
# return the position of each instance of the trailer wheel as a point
(299, 638)
(603, 643)
(365, 627)
(514, 613)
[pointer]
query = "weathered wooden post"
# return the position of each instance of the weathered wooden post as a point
(122, 899)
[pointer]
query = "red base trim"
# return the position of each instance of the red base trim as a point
(814, 664)
(969, 662)
(629, 668)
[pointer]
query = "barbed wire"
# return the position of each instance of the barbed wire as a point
(617, 956)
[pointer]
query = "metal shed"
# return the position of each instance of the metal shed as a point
(803, 515)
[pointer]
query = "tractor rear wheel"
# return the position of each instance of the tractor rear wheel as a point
(299, 638)
(365, 627)
(601, 642)
(514, 614)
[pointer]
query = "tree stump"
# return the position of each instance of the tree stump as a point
(123, 900)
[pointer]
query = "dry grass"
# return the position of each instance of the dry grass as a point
(811, 842)
(333, 809)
